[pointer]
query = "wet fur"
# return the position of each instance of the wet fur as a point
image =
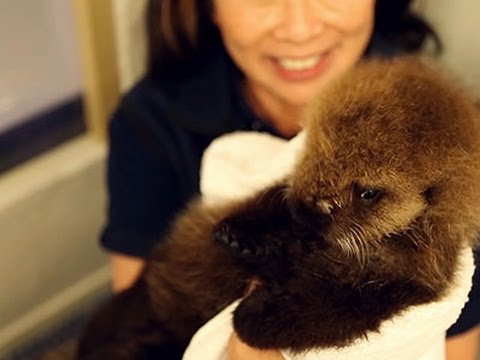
(333, 265)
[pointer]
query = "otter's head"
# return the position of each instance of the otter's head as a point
(392, 148)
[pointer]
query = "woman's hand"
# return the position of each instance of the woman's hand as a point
(238, 350)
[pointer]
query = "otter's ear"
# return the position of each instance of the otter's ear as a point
(430, 194)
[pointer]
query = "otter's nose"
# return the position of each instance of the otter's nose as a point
(309, 215)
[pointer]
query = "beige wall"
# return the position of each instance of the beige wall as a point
(51, 213)
(458, 23)
(131, 44)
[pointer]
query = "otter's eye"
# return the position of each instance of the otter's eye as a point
(369, 195)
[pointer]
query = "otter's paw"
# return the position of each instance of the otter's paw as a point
(237, 243)
(259, 319)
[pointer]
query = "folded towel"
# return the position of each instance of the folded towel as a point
(237, 165)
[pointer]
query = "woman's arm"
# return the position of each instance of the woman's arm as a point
(463, 346)
(125, 270)
(237, 350)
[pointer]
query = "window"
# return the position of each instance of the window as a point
(40, 87)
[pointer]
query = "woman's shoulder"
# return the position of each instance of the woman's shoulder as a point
(200, 103)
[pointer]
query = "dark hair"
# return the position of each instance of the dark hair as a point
(407, 31)
(181, 35)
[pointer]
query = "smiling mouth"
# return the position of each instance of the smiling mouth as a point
(299, 64)
(301, 69)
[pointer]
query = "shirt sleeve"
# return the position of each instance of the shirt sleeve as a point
(143, 185)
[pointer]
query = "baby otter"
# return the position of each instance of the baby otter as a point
(370, 222)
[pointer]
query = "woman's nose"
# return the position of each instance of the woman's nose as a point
(298, 21)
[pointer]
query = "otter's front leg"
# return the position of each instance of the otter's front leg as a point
(317, 310)
(257, 235)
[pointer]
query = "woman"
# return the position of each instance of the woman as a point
(222, 65)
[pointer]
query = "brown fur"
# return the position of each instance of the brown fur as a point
(370, 222)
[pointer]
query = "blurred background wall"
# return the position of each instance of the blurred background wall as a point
(131, 43)
(458, 25)
(52, 206)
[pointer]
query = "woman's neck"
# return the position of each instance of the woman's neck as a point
(285, 118)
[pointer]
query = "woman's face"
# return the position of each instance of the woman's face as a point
(289, 48)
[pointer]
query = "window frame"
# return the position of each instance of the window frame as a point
(97, 50)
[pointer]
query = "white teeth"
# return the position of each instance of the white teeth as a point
(299, 64)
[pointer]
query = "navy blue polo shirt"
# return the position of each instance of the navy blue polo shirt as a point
(157, 137)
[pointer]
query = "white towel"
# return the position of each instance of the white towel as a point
(237, 165)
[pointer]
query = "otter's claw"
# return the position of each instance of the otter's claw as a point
(226, 236)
